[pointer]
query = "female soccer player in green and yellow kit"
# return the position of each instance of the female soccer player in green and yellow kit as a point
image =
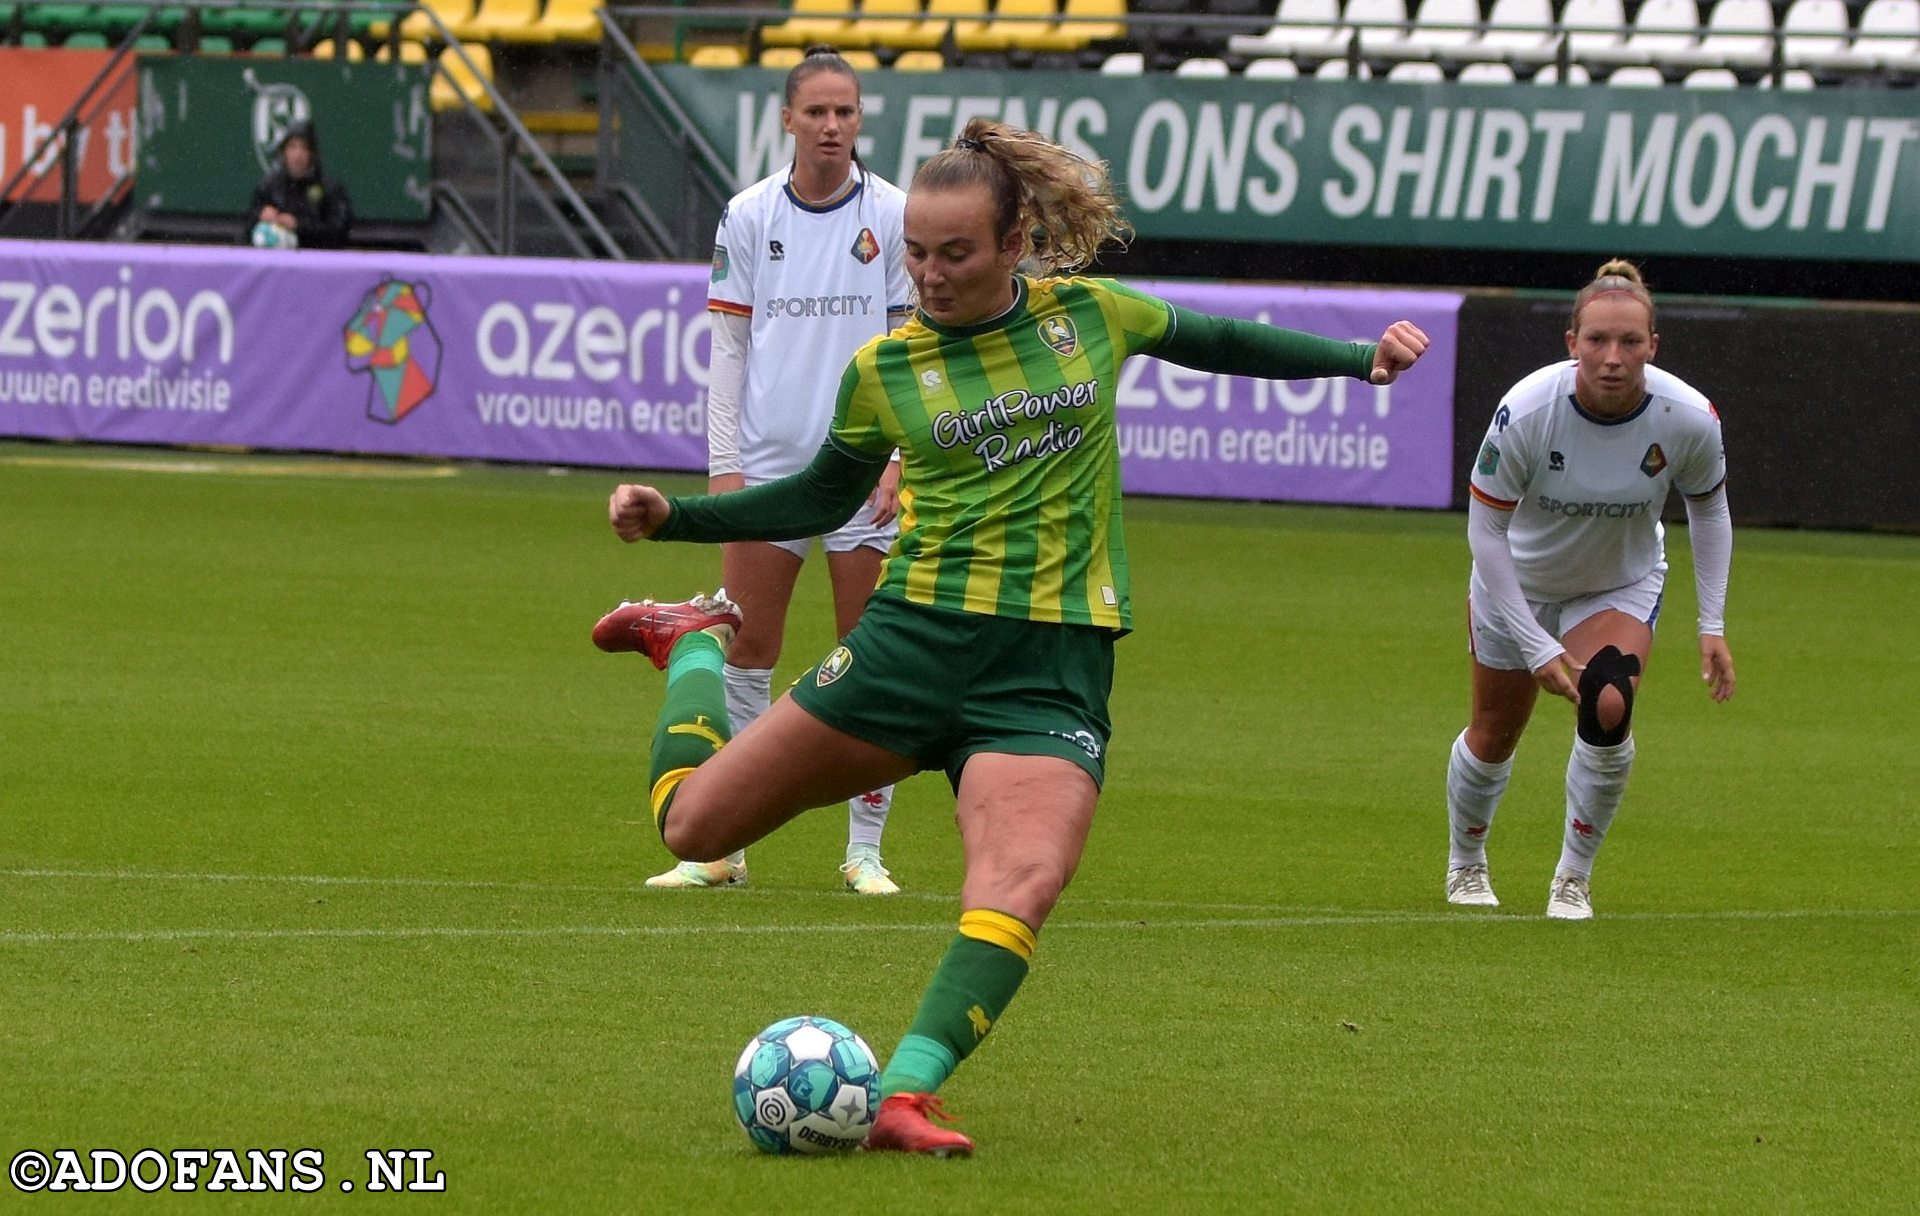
(987, 649)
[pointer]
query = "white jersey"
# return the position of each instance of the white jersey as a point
(818, 283)
(1586, 492)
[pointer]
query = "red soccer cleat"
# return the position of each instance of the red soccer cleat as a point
(904, 1126)
(652, 628)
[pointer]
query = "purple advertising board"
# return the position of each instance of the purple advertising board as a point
(1334, 441)
(595, 363)
(394, 354)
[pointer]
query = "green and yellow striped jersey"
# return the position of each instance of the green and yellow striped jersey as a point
(1011, 481)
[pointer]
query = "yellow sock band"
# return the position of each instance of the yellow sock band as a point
(999, 929)
(663, 790)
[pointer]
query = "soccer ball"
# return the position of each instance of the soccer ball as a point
(806, 1085)
(273, 236)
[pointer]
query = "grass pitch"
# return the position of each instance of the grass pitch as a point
(322, 826)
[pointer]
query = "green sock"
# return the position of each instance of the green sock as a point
(968, 993)
(693, 720)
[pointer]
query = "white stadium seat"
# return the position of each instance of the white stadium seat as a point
(1485, 73)
(1576, 74)
(1309, 28)
(1441, 28)
(1892, 29)
(1814, 33)
(1739, 35)
(1636, 76)
(1272, 69)
(1594, 28)
(1517, 32)
(1381, 25)
(1663, 29)
(1336, 69)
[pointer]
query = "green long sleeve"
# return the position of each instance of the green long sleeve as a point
(812, 502)
(1229, 345)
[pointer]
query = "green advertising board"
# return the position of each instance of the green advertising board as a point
(209, 127)
(1827, 174)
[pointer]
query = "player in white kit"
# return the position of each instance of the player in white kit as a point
(808, 265)
(1569, 560)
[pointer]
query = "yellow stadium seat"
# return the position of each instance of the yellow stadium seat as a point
(452, 13)
(780, 57)
(1022, 24)
(944, 16)
(861, 61)
(829, 21)
(1072, 35)
(893, 23)
(572, 20)
(919, 61)
(505, 21)
(325, 49)
(453, 80)
(717, 56)
(410, 52)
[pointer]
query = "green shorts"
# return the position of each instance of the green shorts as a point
(940, 685)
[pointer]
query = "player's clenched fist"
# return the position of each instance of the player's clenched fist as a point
(1400, 347)
(636, 512)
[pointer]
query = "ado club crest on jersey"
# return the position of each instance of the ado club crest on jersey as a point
(1059, 333)
(834, 667)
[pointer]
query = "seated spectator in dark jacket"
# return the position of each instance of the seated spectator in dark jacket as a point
(297, 204)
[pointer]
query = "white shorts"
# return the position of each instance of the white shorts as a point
(1491, 647)
(856, 533)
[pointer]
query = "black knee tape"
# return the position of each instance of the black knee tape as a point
(1608, 667)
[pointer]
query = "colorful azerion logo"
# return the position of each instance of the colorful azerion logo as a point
(391, 339)
(865, 247)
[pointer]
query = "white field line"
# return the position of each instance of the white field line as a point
(227, 465)
(29, 938)
(458, 884)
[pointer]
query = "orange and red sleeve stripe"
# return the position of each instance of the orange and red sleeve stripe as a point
(1498, 504)
(728, 306)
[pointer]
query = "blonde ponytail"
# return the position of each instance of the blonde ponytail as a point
(1061, 204)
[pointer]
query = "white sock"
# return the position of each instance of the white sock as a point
(749, 692)
(1473, 795)
(867, 818)
(1596, 779)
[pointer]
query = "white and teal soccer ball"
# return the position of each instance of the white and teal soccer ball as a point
(273, 236)
(806, 1085)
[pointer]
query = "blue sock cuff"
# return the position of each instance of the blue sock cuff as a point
(919, 1066)
(696, 651)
